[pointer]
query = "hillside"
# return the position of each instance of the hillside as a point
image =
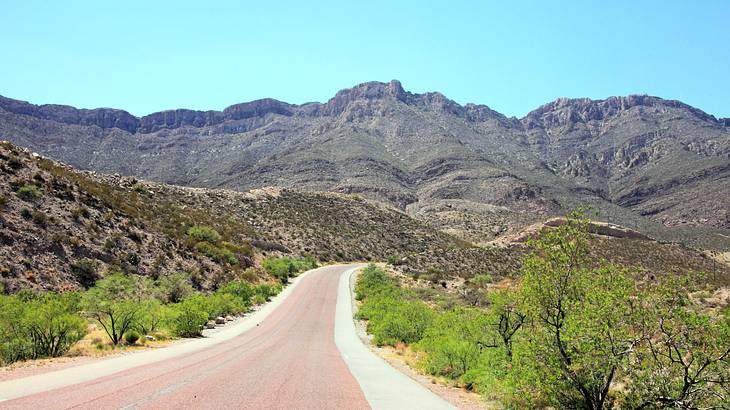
(63, 229)
(659, 166)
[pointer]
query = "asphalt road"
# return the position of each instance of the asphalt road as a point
(283, 358)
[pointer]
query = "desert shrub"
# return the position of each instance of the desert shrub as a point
(454, 342)
(222, 304)
(241, 290)
(175, 287)
(39, 218)
(393, 314)
(38, 325)
(151, 316)
(284, 267)
(188, 317)
(29, 192)
(204, 234)
(220, 255)
(131, 337)
(266, 291)
(26, 213)
(85, 271)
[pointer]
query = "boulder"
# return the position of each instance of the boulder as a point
(220, 320)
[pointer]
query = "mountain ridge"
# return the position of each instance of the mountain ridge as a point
(106, 117)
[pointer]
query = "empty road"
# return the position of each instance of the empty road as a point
(299, 353)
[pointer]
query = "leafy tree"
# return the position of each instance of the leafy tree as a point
(507, 318)
(583, 328)
(113, 303)
(684, 362)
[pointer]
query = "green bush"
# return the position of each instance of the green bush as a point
(175, 287)
(220, 255)
(285, 267)
(29, 192)
(189, 316)
(131, 337)
(204, 234)
(393, 314)
(38, 325)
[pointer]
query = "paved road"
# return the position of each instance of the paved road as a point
(289, 360)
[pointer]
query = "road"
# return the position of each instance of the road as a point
(301, 352)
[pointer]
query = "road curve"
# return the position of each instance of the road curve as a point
(288, 360)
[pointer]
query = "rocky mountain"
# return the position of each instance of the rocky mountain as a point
(658, 166)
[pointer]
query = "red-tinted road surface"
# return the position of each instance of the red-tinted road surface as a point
(289, 361)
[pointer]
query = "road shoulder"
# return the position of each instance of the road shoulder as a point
(384, 386)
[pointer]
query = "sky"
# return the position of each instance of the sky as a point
(147, 56)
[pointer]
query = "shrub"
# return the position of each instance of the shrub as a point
(39, 218)
(239, 289)
(26, 213)
(266, 291)
(204, 233)
(285, 267)
(176, 286)
(85, 271)
(29, 192)
(151, 316)
(189, 316)
(131, 337)
(38, 325)
(220, 255)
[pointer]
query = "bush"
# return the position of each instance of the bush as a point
(220, 255)
(393, 314)
(38, 325)
(204, 234)
(176, 286)
(29, 192)
(189, 316)
(85, 271)
(285, 267)
(131, 337)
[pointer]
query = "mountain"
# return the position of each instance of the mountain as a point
(659, 166)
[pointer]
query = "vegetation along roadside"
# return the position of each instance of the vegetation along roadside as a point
(570, 332)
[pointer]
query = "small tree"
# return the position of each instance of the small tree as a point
(112, 303)
(583, 319)
(684, 362)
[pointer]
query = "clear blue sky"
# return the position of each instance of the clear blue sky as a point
(513, 56)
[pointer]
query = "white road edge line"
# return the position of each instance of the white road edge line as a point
(385, 388)
(16, 388)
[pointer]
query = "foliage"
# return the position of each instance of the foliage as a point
(393, 314)
(175, 287)
(29, 192)
(573, 332)
(284, 267)
(189, 316)
(204, 234)
(131, 337)
(112, 304)
(38, 325)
